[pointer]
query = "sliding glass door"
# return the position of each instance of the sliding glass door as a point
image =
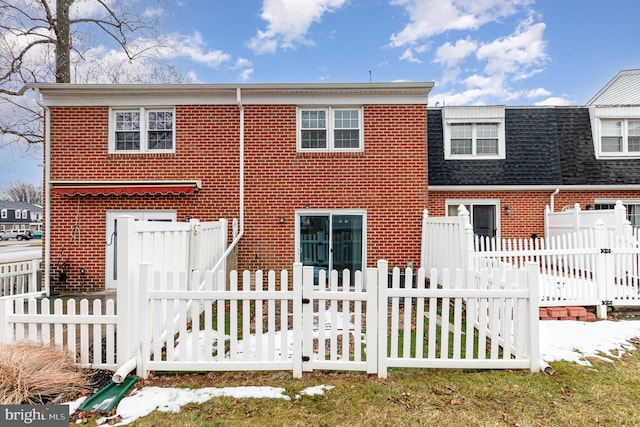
(331, 241)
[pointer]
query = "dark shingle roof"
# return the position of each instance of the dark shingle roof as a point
(544, 146)
(532, 156)
(577, 154)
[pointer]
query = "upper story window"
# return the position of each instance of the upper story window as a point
(3, 214)
(25, 214)
(473, 132)
(330, 129)
(620, 136)
(142, 130)
(616, 131)
(18, 214)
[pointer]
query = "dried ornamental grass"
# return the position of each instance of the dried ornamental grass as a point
(36, 374)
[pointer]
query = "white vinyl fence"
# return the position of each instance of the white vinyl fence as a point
(594, 266)
(447, 242)
(86, 332)
(285, 322)
(576, 219)
(20, 275)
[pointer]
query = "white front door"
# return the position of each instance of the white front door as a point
(111, 258)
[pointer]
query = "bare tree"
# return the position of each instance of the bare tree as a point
(24, 192)
(52, 41)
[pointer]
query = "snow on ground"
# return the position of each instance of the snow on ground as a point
(559, 340)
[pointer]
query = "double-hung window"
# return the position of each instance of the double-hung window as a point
(142, 130)
(330, 129)
(474, 132)
(620, 137)
(474, 139)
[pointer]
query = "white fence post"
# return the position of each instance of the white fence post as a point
(620, 217)
(143, 333)
(126, 295)
(383, 279)
(533, 277)
(195, 251)
(33, 280)
(423, 241)
(297, 320)
(467, 241)
(373, 287)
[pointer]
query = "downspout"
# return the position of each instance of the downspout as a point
(553, 195)
(235, 241)
(47, 190)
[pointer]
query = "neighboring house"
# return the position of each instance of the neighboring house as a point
(507, 163)
(20, 216)
(332, 175)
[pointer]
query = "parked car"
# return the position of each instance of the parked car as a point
(17, 234)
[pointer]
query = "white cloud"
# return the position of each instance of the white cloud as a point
(451, 54)
(555, 100)
(431, 17)
(245, 68)
(288, 21)
(521, 50)
(537, 92)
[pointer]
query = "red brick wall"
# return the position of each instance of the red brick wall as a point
(527, 207)
(388, 179)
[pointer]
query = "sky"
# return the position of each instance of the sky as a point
(477, 52)
(567, 340)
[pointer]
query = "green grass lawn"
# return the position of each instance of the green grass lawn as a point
(604, 394)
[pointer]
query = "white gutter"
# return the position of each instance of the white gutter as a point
(552, 197)
(47, 191)
(235, 241)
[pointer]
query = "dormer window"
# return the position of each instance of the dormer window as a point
(616, 131)
(473, 132)
(620, 136)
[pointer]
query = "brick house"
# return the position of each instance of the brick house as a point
(507, 163)
(332, 175)
(312, 169)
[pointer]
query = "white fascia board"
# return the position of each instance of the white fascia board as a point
(203, 94)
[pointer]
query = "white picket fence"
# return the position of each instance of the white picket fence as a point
(87, 333)
(19, 275)
(263, 322)
(590, 267)
(287, 323)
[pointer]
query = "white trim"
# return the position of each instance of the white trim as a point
(473, 116)
(472, 202)
(329, 212)
(144, 136)
(225, 94)
(622, 113)
(330, 128)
